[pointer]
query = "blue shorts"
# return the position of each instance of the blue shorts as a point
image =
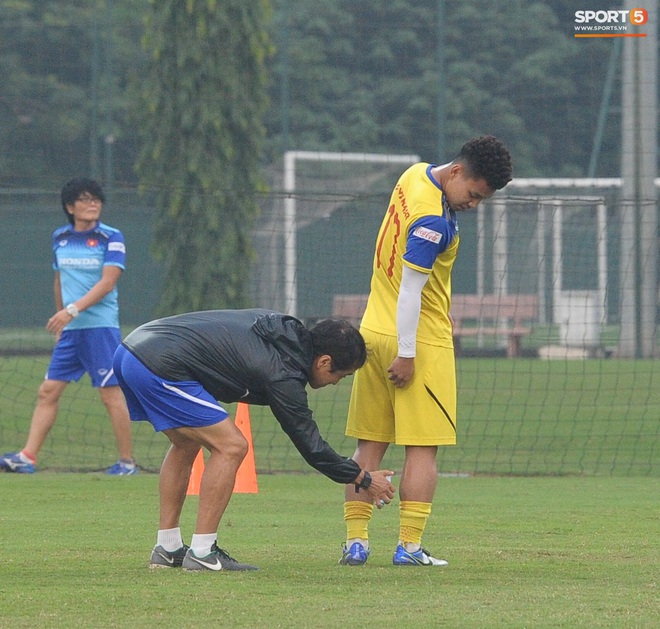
(89, 350)
(164, 403)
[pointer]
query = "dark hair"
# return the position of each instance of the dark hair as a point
(487, 158)
(341, 341)
(74, 188)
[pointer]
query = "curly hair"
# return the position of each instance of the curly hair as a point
(487, 158)
(341, 341)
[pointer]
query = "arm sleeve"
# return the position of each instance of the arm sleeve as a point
(428, 237)
(116, 252)
(408, 308)
(288, 401)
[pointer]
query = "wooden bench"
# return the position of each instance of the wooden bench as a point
(474, 315)
(494, 315)
(349, 307)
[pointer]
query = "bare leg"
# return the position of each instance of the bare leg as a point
(419, 477)
(368, 455)
(115, 404)
(227, 453)
(228, 448)
(45, 414)
(174, 478)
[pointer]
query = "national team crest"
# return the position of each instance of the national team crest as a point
(92, 242)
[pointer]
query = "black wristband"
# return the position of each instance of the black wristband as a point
(365, 483)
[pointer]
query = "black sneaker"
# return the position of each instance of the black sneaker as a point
(216, 560)
(161, 558)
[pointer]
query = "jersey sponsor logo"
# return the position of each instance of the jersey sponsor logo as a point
(92, 242)
(428, 234)
(79, 262)
(117, 246)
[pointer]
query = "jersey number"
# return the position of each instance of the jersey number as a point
(392, 219)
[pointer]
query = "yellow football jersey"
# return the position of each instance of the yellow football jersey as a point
(419, 230)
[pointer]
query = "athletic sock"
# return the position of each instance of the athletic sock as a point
(170, 539)
(201, 543)
(357, 515)
(26, 457)
(413, 517)
(361, 540)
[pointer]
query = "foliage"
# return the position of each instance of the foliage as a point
(204, 97)
(365, 77)
(346, 76)
(64, 64)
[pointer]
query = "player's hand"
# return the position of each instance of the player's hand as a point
(381, 490)
(58, 321)
(401, 371)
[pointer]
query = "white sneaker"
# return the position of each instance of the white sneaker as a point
(420, 557)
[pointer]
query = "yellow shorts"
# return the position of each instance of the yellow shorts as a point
(423, 413)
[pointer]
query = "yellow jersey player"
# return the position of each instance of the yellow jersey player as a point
(406, 392)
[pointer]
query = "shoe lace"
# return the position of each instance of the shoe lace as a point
(223, 554)
(427, 553)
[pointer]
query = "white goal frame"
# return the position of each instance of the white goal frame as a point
(290, 223)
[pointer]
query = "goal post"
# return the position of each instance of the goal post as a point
(634, 285)
(290, 219)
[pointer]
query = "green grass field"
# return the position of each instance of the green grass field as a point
(546, 511)
(522, 417)
(524, 552)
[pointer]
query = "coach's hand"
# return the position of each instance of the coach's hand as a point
(381, 490)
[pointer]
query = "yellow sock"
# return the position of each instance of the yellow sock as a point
(412, 518)
(357, 515)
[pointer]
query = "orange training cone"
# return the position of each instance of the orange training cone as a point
(196, 474)
(246, 477)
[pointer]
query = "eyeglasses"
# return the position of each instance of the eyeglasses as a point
(88, 198)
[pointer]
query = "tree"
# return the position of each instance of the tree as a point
(364, 77)
(50, 53)
(201, 130)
